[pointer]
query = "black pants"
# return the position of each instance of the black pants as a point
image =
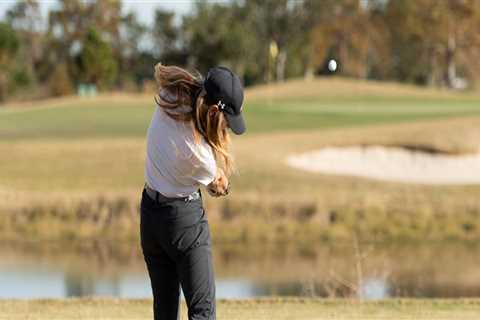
(176, 245)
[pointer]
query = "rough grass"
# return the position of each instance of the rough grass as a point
(88, 194)
(83, 161)
(271, 308)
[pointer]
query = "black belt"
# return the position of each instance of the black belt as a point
(158, 197)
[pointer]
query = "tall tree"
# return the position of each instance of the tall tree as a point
(97, 64)
(214, 34)
(168, 39)
(432, 39)
(345, 31)
(165, 33)
(9, 45)
(70, 25)
(277, 24)
(26, 19)
(132, 33)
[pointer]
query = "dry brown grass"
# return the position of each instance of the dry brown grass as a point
(90, 179)
(261, 309)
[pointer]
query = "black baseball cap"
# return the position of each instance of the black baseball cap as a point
(224, 88)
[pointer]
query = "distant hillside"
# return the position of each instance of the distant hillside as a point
(337, 86)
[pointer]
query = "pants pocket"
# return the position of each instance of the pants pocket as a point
(193, 236)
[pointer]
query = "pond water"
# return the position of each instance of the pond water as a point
(392, 164)
(48, 270)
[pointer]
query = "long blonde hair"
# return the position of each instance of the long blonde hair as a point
(184, 87)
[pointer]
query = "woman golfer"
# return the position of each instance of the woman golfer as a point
(186, 139)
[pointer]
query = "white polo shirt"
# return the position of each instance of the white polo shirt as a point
(175, 165)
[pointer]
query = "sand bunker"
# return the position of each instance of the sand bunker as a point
(393, 164)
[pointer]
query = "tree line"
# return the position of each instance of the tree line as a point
(426, 42)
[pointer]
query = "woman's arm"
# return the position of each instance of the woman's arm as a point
(206, 172)
(220, 185)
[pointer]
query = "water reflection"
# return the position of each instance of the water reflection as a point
(374, 289)
(31, 283)
(44, 270)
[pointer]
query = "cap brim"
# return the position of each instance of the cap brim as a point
(236, 123)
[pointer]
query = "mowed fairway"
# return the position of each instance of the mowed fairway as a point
(254, 309)
(277, 108)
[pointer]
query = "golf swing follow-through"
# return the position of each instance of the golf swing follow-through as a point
(187, 146)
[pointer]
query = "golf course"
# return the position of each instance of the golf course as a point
(340, 141)
(73, 167)
(72, 171)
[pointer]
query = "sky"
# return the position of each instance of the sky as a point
(143, 8)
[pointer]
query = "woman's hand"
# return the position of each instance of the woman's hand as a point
(220, 185)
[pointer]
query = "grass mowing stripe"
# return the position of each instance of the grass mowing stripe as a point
(129, 120)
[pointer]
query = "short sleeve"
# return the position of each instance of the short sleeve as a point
(204, 165)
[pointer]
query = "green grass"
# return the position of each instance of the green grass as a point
(90, 119)
(261, 309)
(73, 122)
